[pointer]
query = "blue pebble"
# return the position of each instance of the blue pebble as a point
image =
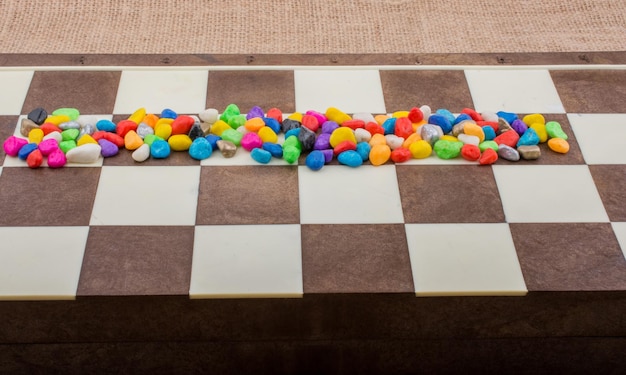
(350, 158)
(442, 121)
(447, 114)
(315, 160)
(490, 134)
(329, 126)
(363, 149)
(272, 123)
(105, 125)
(261, 156)
(529, 138)
(291, 132)
(460, 118)
(212, 138)
(160, 149)
(389, 125)
(328, 155)
(508, 116)
(273, 148)
(26, 150)
(200, 149)
(168, 113)
(255, 111)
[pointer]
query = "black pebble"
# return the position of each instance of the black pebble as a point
(196, 131)
(289, 124)
(307, 138)
(38, 116)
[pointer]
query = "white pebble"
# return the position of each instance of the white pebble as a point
(142, 153)
(362, 135)
(426, 111)
(469, 139)
(54, 135)
(84, 154)
(363, 116)
(209, 115)
(393, 141)
(489, 116)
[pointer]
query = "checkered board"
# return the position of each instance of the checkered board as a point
(231, 228)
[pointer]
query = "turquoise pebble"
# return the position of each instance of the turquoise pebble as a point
(160, 149)
(363, 148)
(490, 134)
(212, 138)
(529, 138)
(261, 156)
(272, 123)
(273, 148)
(200, 149)
(447, 114)
(350, 158)
(294, 131)
(26, 150)
(315, 160)
(389, 125)
(168, 113)
(105, 125)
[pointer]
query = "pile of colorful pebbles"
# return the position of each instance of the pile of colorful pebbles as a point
(353, 140)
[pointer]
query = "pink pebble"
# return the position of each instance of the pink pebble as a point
(321, 118)
(250, 141)
(56, 159)
(13, 145)
(46, 147)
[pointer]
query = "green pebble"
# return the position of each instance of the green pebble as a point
(291, 154)
(233, 136)
(150, 138)
(237, 121)
(554, 130)
(293, 141)
(70, 134)
(488, 144)
(447, 149)
(65, 146)
(72, 113)
(230, 111)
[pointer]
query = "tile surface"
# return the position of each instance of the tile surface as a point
(583, 91)
(620, 233)
(591, 131)
(15, 86)
(610, 181)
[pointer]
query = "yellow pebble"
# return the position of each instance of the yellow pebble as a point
(473, 129)
(179, 142)
(132, 140)
(534, 118)
(421, 149)
(411, 139)
(399, 114)
(267, 135)
(295, 116)
(341, 134)
(540, 129)
(85, 139)
(336, 115)
(558, 145)
(377, 139)
(254, 124)
(35, 136)
(380, 154)
(58, 119)
(448, 137)
(138, 115)
(163, 130)
(380, 119)
(219, 127)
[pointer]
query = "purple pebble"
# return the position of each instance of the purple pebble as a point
(328, 155)
(519, 126)
(329, 126)
(322, 142)
(255, 111)
(108, 148)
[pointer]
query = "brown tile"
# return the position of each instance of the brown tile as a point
(248, 195)
(137, 261)
(266, 89)
(47, 197)
(591, 91)
(569, 257)
(610, 180)
(436, 88)
(7, 128)
(89, 92)
(356, 259)
(449, 194)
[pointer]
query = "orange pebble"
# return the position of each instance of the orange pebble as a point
(132, 140)
(150, 120)
(254, 124)
(412, 138)
(380, 154)
(558, 145)
(378, 139)
(473, 129)
(380, 119)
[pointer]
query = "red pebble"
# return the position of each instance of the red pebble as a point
(374, 128)
(416, 115)
(114, 138)
(124, 127)
(494, 125)
(344, 146)
(354, 124)
(34, 159)
(276, 114)
(400, 154)
(508, 138)
(473, 114)
(49, 127)
(182, 124)
(310, 122)
(404, 127)
(470, 152)
(488, 157)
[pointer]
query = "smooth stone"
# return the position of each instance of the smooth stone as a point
(37, 115)
(47, 146)
(291, 153)
(212, 138)
(144, 129)
(200, 149)
(315, 160)
(328, 127)
(328, 155)
(350, 158)
(72, 113)
(289, 124)
(489, 116)
(168, 113)
(87, 129)
(363, 116)
(85, 139)
(261, 156)
(70, 134)
(484, 146)
(255, 111)
(559, 145)
(508, 116)
(311, 122)
(69, 125)
(49, 128)
(470, 152)
(488, 157)
(445, 113)
(196, 131)
(160, 149)
(179, 142)
(490, 134)
(380, 154)
(534, 118)
(374, 128)
(344, 146)
(307, 139)
(460, 118)
(206, 127)
(469, 139)
(541, 131)
(25, 150)
(321, 118)
(458, 129)
(125, 126)
(227, 148)
(106, 125)
(35, 136)
(26, 126)
(415, 115)
(529, 152)
(34, 159)
(273, 148)
(232, 135)
(431, 133)
(421, 149)
(209, 115)
(108, 148)
(268, 134)
(276, 114)
(364, 149)
(393, 141)
(322, 142)
(85, 154)
(362, 135)
(447, 149)
(182, 124)
(141, 154)
(519, 126)
(57, 159)
(508, 153)
(401, 155)
(292, 141)
(337, 115)
(554, 130)
(138, 116)
(509, 138)
(132, 140)
(250, 141)
(230, 111)
(389, 125)
(504, 125)
(426, 111)
(404, 127)
(150, 138)
(529, 138)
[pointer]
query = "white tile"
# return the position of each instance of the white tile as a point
(15, 86)
(183, 91)
(40, 263)
(464, 259)
(248, 261)
(548, 193)
(338, 194)
(602, 137)
(620, 232)
(146, 195)
(348, 90)
(518, 91)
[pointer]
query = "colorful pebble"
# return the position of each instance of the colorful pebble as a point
(160, 149)
(554, 130)
(201, 149)
(57, 159)
(261, 156)
(559, 145)
(85, 154)
(141, 154)
(351, 158)
(380, 154)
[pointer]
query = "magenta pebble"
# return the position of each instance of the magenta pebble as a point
(13, 145)
(46, 147)
(250, 141)
(57, 159)
(321, 118)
